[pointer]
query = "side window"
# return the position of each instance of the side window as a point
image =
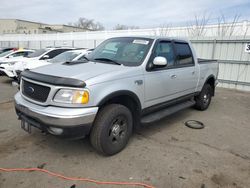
(165, 49)
(54, 53)
(184, 54)
(25, 54)
(18, 54)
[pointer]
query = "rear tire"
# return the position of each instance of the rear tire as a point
(112, 129)
(204, 98)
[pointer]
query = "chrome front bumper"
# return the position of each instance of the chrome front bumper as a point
(55, 116)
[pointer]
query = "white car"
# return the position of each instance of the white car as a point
(13, 70)
(7, 66)
(6, 56)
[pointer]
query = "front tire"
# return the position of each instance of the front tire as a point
(204, 98)
(112, 129)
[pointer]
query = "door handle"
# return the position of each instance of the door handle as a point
(173, 76)
(193, 73)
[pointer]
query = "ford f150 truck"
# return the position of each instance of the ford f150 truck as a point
(124, 82)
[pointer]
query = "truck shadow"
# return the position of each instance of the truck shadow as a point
(176, 119)
(75, 149)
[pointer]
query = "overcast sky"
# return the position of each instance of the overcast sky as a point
(142, 13)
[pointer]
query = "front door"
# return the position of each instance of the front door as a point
(160, 83)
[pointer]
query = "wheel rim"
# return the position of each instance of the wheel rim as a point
(118, 130)
(206, 98)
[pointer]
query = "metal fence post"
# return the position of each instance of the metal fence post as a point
(214, 46)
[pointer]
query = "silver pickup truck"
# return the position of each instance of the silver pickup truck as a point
(123, 83)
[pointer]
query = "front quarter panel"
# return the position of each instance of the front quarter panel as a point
(133, 83)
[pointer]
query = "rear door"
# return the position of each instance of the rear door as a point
(186, 73)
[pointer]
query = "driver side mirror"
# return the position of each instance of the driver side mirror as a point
(160, 61)
(45, 57)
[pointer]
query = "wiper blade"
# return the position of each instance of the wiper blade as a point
(85, 58)
(74, 62)
(107, 60)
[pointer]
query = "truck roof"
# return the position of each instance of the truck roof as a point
(157, 37)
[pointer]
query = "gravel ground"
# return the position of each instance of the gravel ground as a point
(163, 154)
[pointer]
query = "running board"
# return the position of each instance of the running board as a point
(155, 116)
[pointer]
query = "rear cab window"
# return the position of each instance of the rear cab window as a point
(183, 54)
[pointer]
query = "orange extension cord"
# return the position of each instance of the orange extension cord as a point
(73, 178)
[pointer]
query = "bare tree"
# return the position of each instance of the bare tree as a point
(162, 30)
(125, 27)
(88, 24)
(226, 28)
(245, 28)
(198, 27)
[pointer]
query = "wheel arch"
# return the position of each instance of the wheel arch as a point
(126, 98)
(211, 81)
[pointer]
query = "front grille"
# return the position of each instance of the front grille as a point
(35, 91)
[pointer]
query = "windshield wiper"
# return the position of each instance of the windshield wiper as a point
(107, 60)
(85, 58)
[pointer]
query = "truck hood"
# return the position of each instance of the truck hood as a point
(83, 71)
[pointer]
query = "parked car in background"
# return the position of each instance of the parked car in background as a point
(5, 56)
(125, 81)
(7, 49)
(36, 59)
(72, 55)
(10, 55)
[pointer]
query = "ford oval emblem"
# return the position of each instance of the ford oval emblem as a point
(31, 89)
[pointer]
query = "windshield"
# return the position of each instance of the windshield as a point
(5, 53)
(37, 53)
(65, 56)
(129, 51)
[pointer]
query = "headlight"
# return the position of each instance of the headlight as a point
(72, 96)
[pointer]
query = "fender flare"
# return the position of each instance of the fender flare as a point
(121, 93)
(209, 77)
